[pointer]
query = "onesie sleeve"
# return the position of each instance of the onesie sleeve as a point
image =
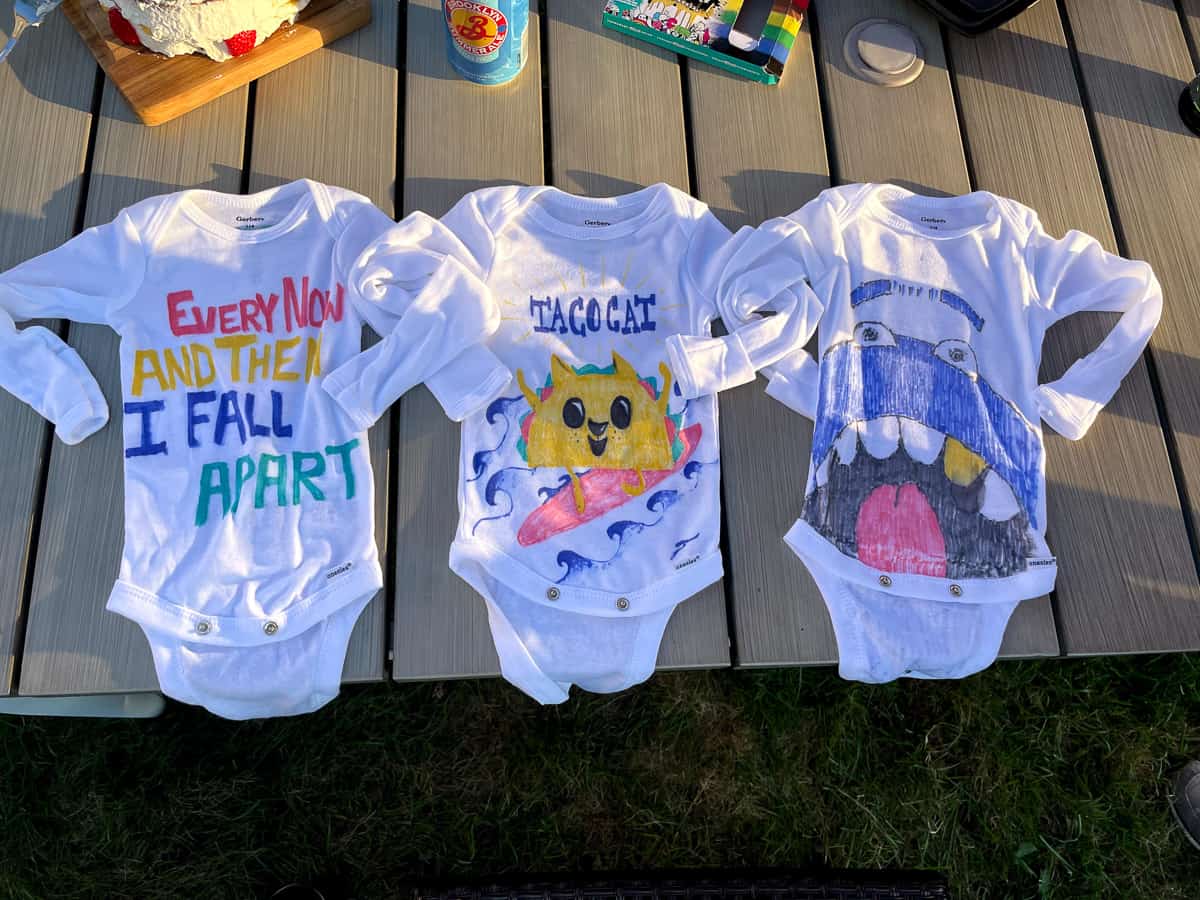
(742, 276)
(84, 280)
(415, 284)
(1075, 274)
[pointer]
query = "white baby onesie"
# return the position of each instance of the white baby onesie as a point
(925, 511)
(588, 495)
(249, 549)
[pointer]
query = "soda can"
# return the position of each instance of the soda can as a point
(487, 39)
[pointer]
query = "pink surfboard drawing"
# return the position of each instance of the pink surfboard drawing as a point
(602, 491)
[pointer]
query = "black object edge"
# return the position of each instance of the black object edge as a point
(962, 18)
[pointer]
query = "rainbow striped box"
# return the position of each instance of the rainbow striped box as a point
(751, 38)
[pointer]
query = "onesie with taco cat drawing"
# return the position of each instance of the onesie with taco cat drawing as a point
(588, 489)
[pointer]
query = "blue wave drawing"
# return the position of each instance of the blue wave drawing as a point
(679, 545)
(577, 565)
(497, 410)
(694, 467)
(547, 492)
(661, 501)
(499, 485)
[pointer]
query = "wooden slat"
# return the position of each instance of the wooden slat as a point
(748, 175)
(1114, 517)
(908, 136)
(616, 124)
(1191, 19)
(1134, 62)
(458, 137)
(309, 97)
(616, 108)
(72, 645)
(47, 87)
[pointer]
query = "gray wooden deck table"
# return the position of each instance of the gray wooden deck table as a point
(1070, 109)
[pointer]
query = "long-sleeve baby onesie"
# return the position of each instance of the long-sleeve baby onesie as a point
(249, 549)
(924, 513)
(588, 491)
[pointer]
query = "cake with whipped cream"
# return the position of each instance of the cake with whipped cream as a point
(220, 29)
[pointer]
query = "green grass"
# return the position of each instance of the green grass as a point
(1040, 779)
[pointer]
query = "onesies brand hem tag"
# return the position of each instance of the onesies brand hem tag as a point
(338, 570)
(1041, 561)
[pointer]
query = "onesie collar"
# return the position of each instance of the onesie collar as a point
(647, 205)
(884, 203)
(189, 206)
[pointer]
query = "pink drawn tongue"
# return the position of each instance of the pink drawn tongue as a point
(897, 531)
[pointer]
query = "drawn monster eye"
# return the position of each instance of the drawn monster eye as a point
(621, 412)
(873, 334)
(573, 413)
(959, 354)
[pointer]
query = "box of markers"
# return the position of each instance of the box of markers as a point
(751, 38)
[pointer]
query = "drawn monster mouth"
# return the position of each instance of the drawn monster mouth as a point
(903, 497)
(597, 446)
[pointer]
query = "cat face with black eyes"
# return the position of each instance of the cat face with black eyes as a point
(598, 420)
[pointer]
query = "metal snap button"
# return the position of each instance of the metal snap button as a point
(885, 581)
(270, 628)
(622, 604)
(955, 590)
(552, 594)
(203, 628)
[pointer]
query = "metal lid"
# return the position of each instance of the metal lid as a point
(884, 52)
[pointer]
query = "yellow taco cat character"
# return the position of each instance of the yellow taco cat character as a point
(599, 420)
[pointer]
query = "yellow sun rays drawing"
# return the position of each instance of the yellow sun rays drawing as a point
(628, 266)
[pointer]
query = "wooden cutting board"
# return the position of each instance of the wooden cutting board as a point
(160, 88)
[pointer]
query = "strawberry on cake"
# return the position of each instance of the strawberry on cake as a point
(220, 29)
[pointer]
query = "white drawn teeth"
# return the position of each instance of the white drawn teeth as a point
(922, 443)
(881, 437)
(846, 444)
(821, 476)
(999, 502)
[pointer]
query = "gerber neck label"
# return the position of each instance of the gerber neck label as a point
(249, 223)
(478, 30)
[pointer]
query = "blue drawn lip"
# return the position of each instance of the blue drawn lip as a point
(908, 380)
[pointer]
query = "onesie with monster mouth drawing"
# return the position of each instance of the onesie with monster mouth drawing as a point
(918, 465)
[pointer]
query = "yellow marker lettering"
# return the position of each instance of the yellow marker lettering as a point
(235, 343)
(260, 363)
(178, 370)
(282, 359)
(312, 358)
(202, 353)
(146, 365)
